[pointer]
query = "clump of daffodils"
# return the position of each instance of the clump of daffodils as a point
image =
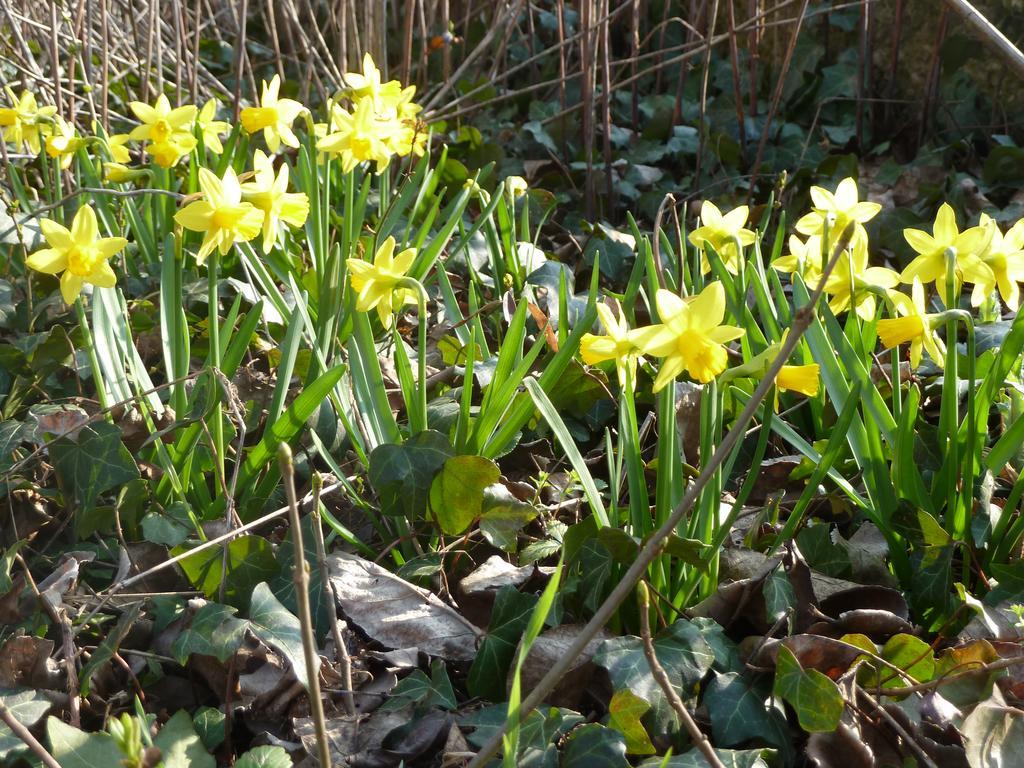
(373, 121)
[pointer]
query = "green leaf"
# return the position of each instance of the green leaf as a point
(418, 689)
(779, 596)
(170, 527)
(265, 757)
(76, 749)
(730, 758)
(682, 651)
(93, 463)
(624, 713)
(402, 473)
(106, 650)
(739, 714)
(27, 707)
(503, 517)
(994, 735)
(213, 631)
(251, 560)
(210, 725)
(279, 629)
(181, 746)
(911, 654)
(290, 422)
(595, 746)
(816, 699)
(509, 618)
(457, 492)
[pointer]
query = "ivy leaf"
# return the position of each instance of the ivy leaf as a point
(93, 463)
(265, 757)
(911, 654)
(402, 473)
(213, 631)
(251, 559)
(624, 713)
(816, 698)
(509, 618)
(594, 746)
(739, 714)
(210, 725)
(682, 651)
(457, 492)
(106, 650)
(503, 517)
(274, 625)
(25, 706)
(77, 749)
(180, 745)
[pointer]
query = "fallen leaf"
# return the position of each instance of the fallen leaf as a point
(398, 614)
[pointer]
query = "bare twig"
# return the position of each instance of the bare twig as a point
(908, 739)
(661, 677)
(989, 34)
(331, 598)
(301, 577)
(26, 736)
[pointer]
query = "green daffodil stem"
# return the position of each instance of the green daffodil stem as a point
(213, 278)
(90, 350)
(950, 413)
(418, 415)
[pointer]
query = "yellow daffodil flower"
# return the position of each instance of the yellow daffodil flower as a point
(116, 147)
(838, 209)
(516, 186)
(211, 128)
(916, 326)
(80, 253)
(722, 231)
(1005, 259)
(274, 116)
(358, 138)
(804, 258)
(368, 82)
(221, 214)
(119, 173)
(25, 122)
(614, 345)
(805, 379)
(166, 154)
(270, 194)
(378, 285)
(63, 142)
(967, 247)
(160, 123)
(691, 336)
(854, 284)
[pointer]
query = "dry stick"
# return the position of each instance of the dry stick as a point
(989, 33)
(776, 97)
(327, 589)
(240, 58)
(301, 569)
(606, 111)
(734, 56)
(654, 546)
(914, 747)
(26, 736)
(661, 677)
(709, 36)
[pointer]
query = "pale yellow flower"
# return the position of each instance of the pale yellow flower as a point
(64, 142)
(966, 248)
(211, 128)
(835, 210)
(358, 137)
(270, 194)
(1005, 259)
(615, 345)
(80, 253)
(690, 337)
(379, 285)
(274, 116)
(25, 122)
(915, 325)
(722, 231)
(221, 214)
